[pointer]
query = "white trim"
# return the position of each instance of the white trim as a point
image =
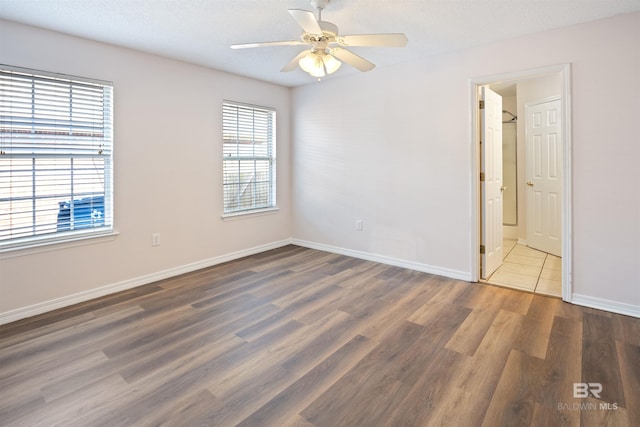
(567, 198)
(542, 101)
(383, 259)
(24, 312)
(248, 214)
(39, 245)
(43, 307)
(474, 181)
(607, 305)
(474, 242)
(35, 72)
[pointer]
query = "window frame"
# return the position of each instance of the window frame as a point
(269, 135)
(59, 146)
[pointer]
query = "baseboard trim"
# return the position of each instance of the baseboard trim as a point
(43, 307)
(35, 309)
(383, 259)
(510, 232)
(606, 305)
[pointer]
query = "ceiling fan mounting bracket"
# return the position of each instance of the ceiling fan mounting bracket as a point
(319, 4)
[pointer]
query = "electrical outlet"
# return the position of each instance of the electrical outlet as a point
(358, 224)
(155, 239)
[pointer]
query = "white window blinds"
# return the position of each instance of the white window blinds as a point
(248, 157)
(55, 156)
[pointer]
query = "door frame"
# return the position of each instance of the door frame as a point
(474, 244)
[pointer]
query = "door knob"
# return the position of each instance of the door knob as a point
(503, 188)
(530, 184)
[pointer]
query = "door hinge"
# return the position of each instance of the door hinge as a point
(481, 249)
(482, 105)
(481, 176)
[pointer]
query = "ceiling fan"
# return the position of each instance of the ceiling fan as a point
(327, 48)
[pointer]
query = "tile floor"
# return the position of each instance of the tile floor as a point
(529, 269)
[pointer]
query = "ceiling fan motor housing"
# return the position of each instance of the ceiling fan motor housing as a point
(319, 42)
(328, 27)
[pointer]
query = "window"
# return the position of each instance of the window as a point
(248, 157)
(55, 157)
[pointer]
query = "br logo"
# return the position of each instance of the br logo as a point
(583, 390)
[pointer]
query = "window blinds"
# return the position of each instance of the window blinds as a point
(55, 155)
(248, 157)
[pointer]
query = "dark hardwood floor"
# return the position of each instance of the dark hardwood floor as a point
(298, 337)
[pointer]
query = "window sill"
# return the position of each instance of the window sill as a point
(249, 214)
(39, 246)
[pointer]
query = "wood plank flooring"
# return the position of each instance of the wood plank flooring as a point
(298, 337)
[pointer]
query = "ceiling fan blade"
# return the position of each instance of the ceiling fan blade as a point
(263, 44)
(384, 40)
(306, 20)
(295, 61)
(352, 59)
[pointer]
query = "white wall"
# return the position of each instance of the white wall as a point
(393, 147)
(168, 176)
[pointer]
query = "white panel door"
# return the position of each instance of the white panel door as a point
(491, 181)
(544, 176)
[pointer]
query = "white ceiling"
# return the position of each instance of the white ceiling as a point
(200, 31)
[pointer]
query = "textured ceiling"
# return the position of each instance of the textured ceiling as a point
(200, 31)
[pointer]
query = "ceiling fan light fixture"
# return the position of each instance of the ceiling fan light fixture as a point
(318, 72)
(312, 64)
(331, 64)
(319, 64)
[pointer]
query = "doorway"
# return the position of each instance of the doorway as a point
(535, 85)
